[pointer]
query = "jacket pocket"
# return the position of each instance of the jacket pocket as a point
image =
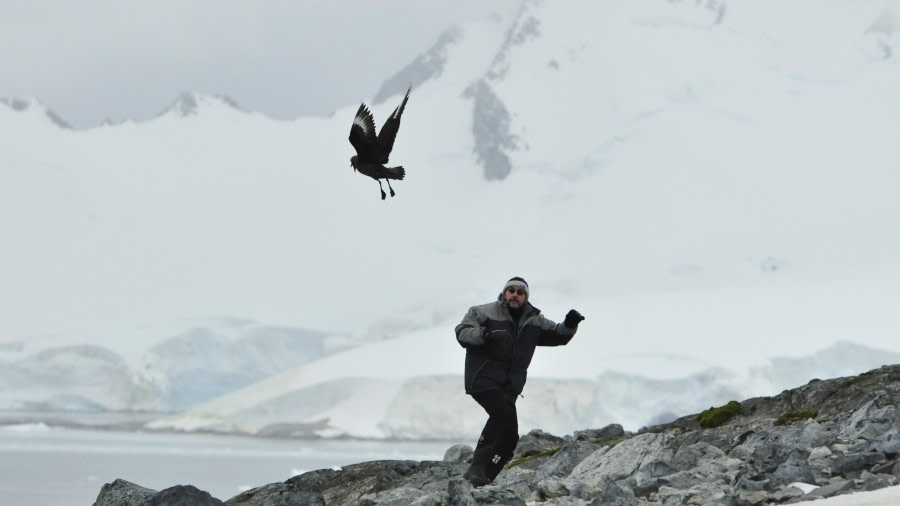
(472, 371)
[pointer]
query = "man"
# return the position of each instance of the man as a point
(500, 338)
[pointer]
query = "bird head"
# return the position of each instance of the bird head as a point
(353, 160)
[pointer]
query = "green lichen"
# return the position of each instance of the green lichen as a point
(714, 417)
(797, 416)
(606, 441)
(523, 460)
(609, 441)
(861, 381)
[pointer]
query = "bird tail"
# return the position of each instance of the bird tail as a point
(397, 172)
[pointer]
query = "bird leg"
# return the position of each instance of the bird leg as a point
(383, 195)
(388, 181)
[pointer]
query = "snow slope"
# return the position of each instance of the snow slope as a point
(712, 185)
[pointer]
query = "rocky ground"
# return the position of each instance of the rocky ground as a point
(825, 438)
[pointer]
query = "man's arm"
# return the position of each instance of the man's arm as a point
(470, 332)
(554, 334)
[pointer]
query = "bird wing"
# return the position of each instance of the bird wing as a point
(389, 131)
(362, 136)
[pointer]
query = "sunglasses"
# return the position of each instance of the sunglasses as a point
(517, 291)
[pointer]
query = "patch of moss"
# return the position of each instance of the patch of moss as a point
(814, 380)
(523, 460)
(609, 441)
(862, 381)
(714, 417)
(796, 416)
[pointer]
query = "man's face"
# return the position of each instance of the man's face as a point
(515, 297)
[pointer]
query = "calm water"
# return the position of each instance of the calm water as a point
(67, 467)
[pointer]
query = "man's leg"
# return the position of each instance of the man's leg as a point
(500, 435)
(494, 467)
(506, 443)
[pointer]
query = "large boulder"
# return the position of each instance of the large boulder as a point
(122, 493)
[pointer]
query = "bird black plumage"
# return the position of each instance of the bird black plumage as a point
(372, 152)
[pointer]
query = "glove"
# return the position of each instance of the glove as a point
(573, 318)
(501, 336)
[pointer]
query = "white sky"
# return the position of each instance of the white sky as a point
(106, 59)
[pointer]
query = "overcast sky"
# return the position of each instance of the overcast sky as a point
(92, 60)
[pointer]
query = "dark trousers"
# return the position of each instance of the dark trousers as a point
(501, 430)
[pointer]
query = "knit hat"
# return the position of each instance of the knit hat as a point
(518, 283)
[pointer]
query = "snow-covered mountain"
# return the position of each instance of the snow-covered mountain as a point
(712, 184)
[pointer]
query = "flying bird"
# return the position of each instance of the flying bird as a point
(372, 151)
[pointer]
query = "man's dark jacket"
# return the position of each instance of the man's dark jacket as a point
(494, 364)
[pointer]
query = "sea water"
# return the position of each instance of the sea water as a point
(44, 466)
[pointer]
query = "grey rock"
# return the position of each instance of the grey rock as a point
(624, 459)
(645, 481)
(277, 494)
(885, 468)
(673, 496)
(813, 434)
(518, 480)
(512, 477)
(851, 445)
(830, 490)
(494, 495)
(871, 420)
(819, 453)
(785, 494)
(403, 496)
(703, 462)
(315, 481)
(351, 483)
(879, 483)
(751, 497)
(459, 453)
(592, 435)
(615, 494)
(795, 468)
(535, 442)
(552, 487)
(709, 493)
(853, 462)
(182, 495)
(122, 493)
(741, 482)
(680, 480)
(887, 443)
(565, 501)
(564, 461)
(585, 492)
(459, 493)
(768, 456)
(690, 456)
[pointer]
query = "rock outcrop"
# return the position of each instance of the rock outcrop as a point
(825, 438)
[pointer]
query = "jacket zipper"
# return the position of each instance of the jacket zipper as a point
(518, 329)
(486, 362)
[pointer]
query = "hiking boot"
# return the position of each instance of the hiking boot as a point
(480, 459)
